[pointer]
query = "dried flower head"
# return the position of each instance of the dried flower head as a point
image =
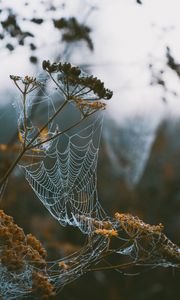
(86, 107)
(107, 232)
(151, 243)
(63, 265)
(76, 83)
(24, 258)
(41, 286)
(26, 84)
(133, 224)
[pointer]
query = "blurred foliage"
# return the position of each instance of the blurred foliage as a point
(74, 31)
(159, 74)
(12, 24)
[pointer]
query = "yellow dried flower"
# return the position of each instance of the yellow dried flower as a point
(107, 232)
(63, 265)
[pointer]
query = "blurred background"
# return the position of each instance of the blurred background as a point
(133, 46)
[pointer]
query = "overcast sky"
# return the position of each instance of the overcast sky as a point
(125, 35)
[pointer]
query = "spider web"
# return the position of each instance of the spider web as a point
(63, 174)
(64, 178)
(129, 147)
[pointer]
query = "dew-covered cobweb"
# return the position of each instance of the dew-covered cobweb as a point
(63, 174)
(129, 146)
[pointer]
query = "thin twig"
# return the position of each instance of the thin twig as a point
(113, 267)
(61, 132)
(58, 85)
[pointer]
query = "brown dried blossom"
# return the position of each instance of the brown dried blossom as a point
(41, 286)
(133, 225)
(17, 251)
(25, 84)
(86, 106)
(63, 265)
(107, 232)
(150, 241)
(71, 75)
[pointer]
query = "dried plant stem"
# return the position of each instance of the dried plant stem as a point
(46, 125)
(61, 132)
(114, 267)
(29, 146)
(14, 164)
(25, 120)
(60, 88)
